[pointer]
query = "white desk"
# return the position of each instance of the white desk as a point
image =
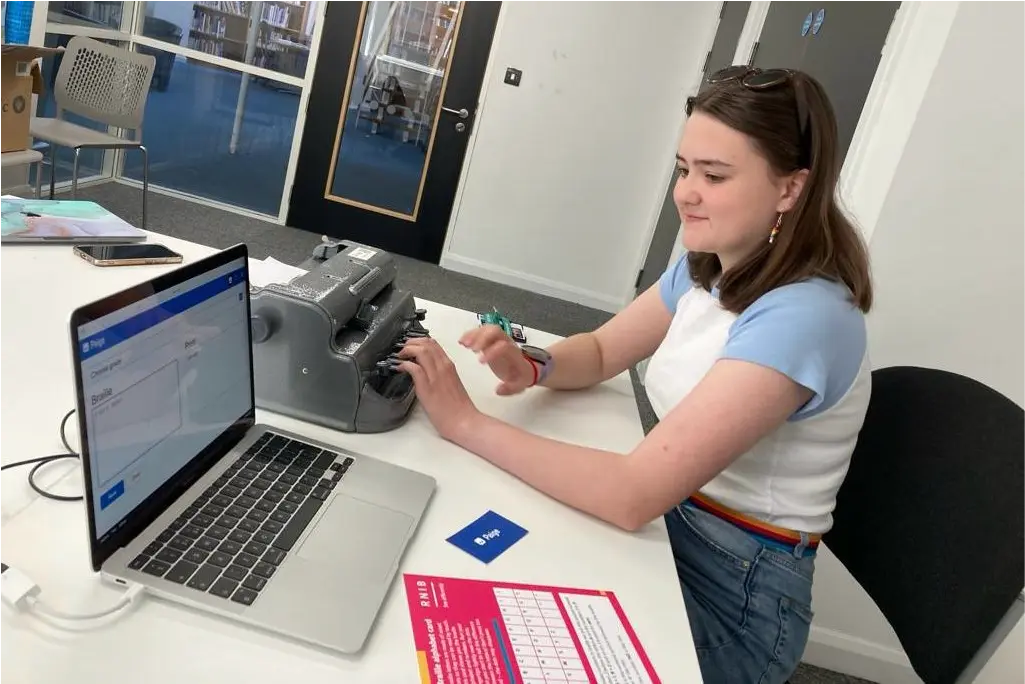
(161, 642)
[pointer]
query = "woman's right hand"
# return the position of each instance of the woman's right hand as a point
(495, 348)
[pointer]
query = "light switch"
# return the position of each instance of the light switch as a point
(512, 76)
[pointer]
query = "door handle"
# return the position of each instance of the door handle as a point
(461, 113)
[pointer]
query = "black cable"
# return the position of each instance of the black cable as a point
(41, 459)
(42, 492)
(44, 460)
(64, 439)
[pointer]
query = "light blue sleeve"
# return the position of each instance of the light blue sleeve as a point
(808, 331)
(675, 282)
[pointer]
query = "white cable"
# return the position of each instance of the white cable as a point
(43, 610)
(19, 592)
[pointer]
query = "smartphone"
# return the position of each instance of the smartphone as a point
(127, 255)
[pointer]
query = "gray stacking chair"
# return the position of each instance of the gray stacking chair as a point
(25, 158)
(106, 84)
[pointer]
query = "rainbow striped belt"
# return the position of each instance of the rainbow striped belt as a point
(772, 536)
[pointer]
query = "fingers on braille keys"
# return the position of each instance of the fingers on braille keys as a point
(394, 380)
(390, 363)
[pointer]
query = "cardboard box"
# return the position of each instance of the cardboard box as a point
(20, 78)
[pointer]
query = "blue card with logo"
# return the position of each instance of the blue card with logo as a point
(488, 536)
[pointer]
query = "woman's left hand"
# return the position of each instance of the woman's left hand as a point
(438, 387)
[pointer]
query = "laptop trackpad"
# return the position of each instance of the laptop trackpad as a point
(357, 537)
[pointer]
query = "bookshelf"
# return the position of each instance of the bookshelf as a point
(279, 42)
(105, 14)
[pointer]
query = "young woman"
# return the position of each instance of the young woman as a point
(759, 375)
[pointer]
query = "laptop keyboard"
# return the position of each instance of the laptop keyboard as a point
(232, 539)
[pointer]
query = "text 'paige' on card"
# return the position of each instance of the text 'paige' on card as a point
(488, 536)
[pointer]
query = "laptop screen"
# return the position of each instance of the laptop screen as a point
(162, 377)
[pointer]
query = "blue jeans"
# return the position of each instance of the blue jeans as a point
(748, 604)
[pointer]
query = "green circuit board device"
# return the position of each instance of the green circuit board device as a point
(494, 317)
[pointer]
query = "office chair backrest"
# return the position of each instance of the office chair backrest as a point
(104, 83)
(930, 517)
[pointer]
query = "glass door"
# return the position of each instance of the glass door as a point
(386, 134)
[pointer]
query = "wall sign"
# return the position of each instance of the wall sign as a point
(806, 26)
(817, 24)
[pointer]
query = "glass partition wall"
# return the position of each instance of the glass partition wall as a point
(223, 110)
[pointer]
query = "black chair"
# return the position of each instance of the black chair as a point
(930, 517)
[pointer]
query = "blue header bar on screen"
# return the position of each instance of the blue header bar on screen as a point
(128, 328)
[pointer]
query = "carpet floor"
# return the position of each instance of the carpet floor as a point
(213, 227)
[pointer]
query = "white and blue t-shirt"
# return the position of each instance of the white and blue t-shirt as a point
(811, 332)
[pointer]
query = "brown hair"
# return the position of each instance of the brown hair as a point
(815, 239)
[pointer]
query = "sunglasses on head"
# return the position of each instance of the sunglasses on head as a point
(757, 79)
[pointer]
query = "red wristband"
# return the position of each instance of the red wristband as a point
(533, 367)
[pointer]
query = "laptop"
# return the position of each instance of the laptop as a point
(189, 496)
(62, 222)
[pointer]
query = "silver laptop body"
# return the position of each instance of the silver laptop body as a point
(256, 524)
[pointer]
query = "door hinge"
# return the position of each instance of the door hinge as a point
(640, 274)
(704, 67)
(754, 51)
